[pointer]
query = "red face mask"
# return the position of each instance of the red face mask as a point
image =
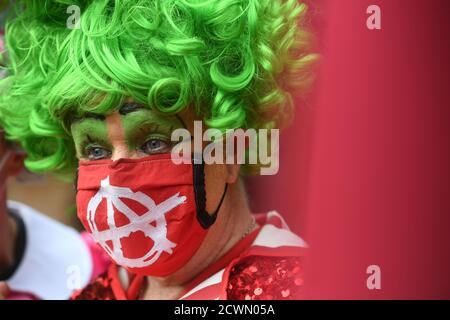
(148, 214)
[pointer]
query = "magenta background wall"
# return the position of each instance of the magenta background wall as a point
(365, 170)
(287, 192)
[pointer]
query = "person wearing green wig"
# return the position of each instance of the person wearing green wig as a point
(101, 86)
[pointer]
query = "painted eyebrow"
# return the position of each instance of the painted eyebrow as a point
(129, 107)
(89, 115)
(95, 116)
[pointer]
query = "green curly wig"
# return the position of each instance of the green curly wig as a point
(231, 60)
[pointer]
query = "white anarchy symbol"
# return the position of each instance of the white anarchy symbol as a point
(155, 213)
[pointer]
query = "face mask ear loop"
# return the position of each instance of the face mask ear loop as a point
(220, 202)
(205, 219)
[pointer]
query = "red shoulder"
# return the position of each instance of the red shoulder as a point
(99, 289)
(266, 278)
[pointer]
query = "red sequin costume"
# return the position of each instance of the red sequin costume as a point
(255, 278)
(265, 265)
(266, 278)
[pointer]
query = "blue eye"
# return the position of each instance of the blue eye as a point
(153, 146)
(97, 153)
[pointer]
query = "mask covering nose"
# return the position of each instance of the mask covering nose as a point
(148, 214)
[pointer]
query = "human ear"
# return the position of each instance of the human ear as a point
(232, 174)
(15, 163)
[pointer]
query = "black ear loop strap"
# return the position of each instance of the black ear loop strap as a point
(205, 219)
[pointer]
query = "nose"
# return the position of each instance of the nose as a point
(116, 136)
(121, 151)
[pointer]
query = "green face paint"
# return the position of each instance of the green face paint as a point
(89, 133)
(146, 132)
(143, 126)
